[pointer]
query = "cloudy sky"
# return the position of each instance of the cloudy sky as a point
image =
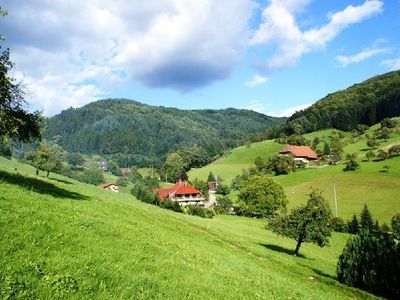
(272, 56)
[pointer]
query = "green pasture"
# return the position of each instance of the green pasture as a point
(62, 239)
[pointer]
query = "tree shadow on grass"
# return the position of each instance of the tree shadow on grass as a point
(39, 186)
(60, 180)
(281, 249)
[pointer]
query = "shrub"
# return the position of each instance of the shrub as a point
(281, 164)
(339, 225)
(200, 211)
(143, 194)
(394, 151)
(224, 205)
(171, 205)
(92, 176)
(353, 225)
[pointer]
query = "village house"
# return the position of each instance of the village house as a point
(183, 193)
(300, 153)
(109, 186)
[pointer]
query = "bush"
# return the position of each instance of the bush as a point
(339, 225)
(394, 151)
(281, 164)
(371, 262)
(92, 176)
(171, 205)
(200, 211)
(143, 194)
(224, 205)
(5, 149)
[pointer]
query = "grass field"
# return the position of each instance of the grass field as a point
(380, 190)
(62, 239)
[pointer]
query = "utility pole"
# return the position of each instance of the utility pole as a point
(334, 196)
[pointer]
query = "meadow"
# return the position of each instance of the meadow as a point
(370, 184)
(62, 239)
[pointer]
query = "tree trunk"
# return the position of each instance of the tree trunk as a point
(48, 173)
(296, 251)
(37, 172)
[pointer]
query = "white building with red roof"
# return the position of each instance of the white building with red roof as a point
(181, 192)
(303, 153)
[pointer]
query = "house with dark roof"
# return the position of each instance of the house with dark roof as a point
(181, 192)
(302, 153)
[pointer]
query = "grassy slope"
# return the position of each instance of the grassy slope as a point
(57, 233)
(367, 185)
(232, 164)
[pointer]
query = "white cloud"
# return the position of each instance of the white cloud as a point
(279, 27)
(257, 106)
(344, 60)
(392, 64)
(83, 46)
(256, 80)
(289, 111)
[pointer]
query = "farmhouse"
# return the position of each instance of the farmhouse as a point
(181, 192)
(110, 186)
(303, 153)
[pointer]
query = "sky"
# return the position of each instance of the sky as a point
(270, 56)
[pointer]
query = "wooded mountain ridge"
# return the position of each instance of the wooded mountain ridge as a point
(133, 133)
(367, 103)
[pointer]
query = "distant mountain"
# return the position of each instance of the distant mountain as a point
(365, 103)
(139, 134)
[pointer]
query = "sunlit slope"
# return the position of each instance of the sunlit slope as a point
(64, 239)
(232, 164)
(369, 184)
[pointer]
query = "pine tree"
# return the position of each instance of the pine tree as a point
(354, 225)
(366, 220)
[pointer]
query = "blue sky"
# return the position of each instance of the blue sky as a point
(270, 56)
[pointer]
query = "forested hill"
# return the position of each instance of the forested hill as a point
(135, 133)
(365, 103)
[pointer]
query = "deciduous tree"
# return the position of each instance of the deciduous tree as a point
(309, 223)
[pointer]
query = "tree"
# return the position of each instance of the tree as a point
(260, 164)
(114, 168)
(210, 177)
(309, 223)
(382, 154)
(15, 121)
(395, 223)
(45, 159)
(370, 155)
(327, 149)
(384, 133)
(388, 123)
(371, 262)
(75, 159)
(174, 166)
(261, 197)
(281, 164)
(353, 225)
(93, 176)
(5, 149)
(372, 142)
(366, 219)
(315, 142)
(351, 163)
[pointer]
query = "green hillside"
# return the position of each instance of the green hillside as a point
(64, 239)
(368, 184)
(139, 134)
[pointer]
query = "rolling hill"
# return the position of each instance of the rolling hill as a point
(367, 103)
(64, 239)
(139, 134)
(369, 184)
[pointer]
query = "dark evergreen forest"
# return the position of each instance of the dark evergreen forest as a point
(366, 103)
(133, 133)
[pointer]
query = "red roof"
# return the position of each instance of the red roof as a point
(300, 151)
(106, 185)
(179, 188)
